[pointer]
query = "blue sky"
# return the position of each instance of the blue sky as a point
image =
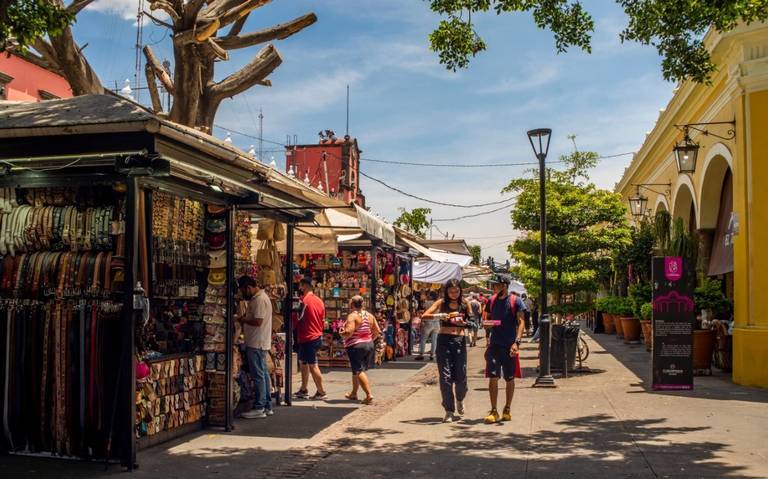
(407, 107)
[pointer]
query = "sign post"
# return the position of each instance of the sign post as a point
(674, 318)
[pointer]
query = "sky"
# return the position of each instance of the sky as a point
(405, 106)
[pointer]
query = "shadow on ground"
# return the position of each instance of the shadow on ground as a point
(719, 386)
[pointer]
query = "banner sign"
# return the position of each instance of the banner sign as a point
(674, 319)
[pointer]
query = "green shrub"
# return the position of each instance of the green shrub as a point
(710, 296)
(646, 311)
(639, 294)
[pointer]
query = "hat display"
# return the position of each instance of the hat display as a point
(217, 259)
(217, 276)
(216, 225)
(216, 241)
(216, 210)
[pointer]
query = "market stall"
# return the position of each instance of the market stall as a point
(121, 237)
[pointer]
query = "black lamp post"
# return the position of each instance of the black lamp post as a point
(539, 139)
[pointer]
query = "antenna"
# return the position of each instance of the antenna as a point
(347, 134)
(139, 41)
(261, 136)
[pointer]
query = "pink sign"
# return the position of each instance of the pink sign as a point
(673, 267)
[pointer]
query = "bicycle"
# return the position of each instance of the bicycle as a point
(582, 348)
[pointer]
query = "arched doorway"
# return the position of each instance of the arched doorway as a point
(684, 204)
(715, 208)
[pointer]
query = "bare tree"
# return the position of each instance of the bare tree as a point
(197, 46)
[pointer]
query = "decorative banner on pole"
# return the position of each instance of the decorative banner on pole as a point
(674, 318)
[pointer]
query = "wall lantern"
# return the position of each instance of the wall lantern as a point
(638, 204)
(687, 151)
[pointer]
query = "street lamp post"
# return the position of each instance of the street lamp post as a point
(539, 139)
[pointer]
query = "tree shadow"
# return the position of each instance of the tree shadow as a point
(719, 386)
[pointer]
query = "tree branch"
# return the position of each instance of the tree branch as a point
(167, 7)
(277, 32)
(238, 26)
(162, 75)
(77, 5)
(157, 21)
(191, 10)
(149, 71)
(243, 9)
(252, 74)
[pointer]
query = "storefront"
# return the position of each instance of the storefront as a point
(718, 189)
(122, 236)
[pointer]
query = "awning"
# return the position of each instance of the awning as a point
(435, 272)
(308, 239)
(438, 255)
(721, 259)
(375, 227)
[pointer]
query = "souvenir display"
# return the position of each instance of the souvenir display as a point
(214, 314)
(172, 395)
(59, 317)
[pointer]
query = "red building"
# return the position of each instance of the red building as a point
(332, 165)
(28, 78)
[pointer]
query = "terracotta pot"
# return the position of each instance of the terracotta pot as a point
(608, 323)
(619, 327)
(631, 328)
(703, 346)
(647, 326)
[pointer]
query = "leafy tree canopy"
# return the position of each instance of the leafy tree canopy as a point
(477, 254)
(584, 226)
(674, 27)
(22, 21)
(414, 221)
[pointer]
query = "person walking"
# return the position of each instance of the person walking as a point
(257, 328)
(505, 316)
(528, 308)
(476, 315)
(429, 329)
(360, 330)
(453, 312)
(310, 337)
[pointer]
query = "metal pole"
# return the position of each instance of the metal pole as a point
(545, 377)
(228, 406)
(288, 314)
(127, 382)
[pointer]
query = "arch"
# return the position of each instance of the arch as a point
(661, 204)
(717, 165)
(684, 200)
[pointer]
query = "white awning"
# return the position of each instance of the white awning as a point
(435, 272)
(375, 227)
(438, 255)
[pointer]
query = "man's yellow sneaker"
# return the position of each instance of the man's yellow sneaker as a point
(492, 417)
(506, 415)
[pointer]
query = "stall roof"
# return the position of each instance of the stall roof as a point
(456, 246)
(110, 123)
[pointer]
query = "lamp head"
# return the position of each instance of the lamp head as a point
(539, 139)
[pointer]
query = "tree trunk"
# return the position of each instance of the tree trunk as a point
(187, 85)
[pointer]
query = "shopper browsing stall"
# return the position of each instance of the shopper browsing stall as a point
(360, 330)
(452, 311)
(310, 337)
(505, 318)
(257, 328)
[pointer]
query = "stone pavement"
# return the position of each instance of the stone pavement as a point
(604, 424)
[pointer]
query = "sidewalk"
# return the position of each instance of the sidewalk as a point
(604, 424)
(256, 447)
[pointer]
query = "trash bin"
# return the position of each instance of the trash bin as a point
(563, 350)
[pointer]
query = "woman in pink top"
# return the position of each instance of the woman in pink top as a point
(359, 332)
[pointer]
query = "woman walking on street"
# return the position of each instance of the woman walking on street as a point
(360, 330)
(453, 313)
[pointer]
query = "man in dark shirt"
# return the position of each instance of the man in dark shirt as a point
(504, 316)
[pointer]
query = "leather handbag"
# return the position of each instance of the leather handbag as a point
(266, 230)
(267, 276)
(218, 259)
(217, 276)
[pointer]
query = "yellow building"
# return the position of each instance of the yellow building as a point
(726, 197)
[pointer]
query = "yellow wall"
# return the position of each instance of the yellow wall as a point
(739, 91)
(750, 339)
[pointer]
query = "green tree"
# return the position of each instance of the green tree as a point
(674, 27)
(477, 254)
(414, 221)
(23, 21)
(584, 226)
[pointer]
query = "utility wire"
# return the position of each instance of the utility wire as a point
(480, 165)
(505, 200)
(254, 137)
(476, 214)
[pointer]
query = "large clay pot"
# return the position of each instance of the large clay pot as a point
(703, 347)
(631, 328)
(647, 326)
(608, 323)
(619, 327)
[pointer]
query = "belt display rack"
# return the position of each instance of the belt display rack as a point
(62, 275)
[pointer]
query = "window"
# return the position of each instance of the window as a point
(46, 95)
(4, 81)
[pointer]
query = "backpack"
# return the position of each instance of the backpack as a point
(511, 300)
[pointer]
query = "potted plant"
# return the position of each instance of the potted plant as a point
(639, 294)
(627, 328)
(646, 324)
(604, 305)
(710, 300)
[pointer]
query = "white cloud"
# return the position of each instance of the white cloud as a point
(532, 79)
(125, 8)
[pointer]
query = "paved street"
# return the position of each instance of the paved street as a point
(601, 424)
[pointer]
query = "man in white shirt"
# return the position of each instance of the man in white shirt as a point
(257, 328)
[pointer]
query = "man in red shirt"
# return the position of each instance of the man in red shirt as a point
(310, 336)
